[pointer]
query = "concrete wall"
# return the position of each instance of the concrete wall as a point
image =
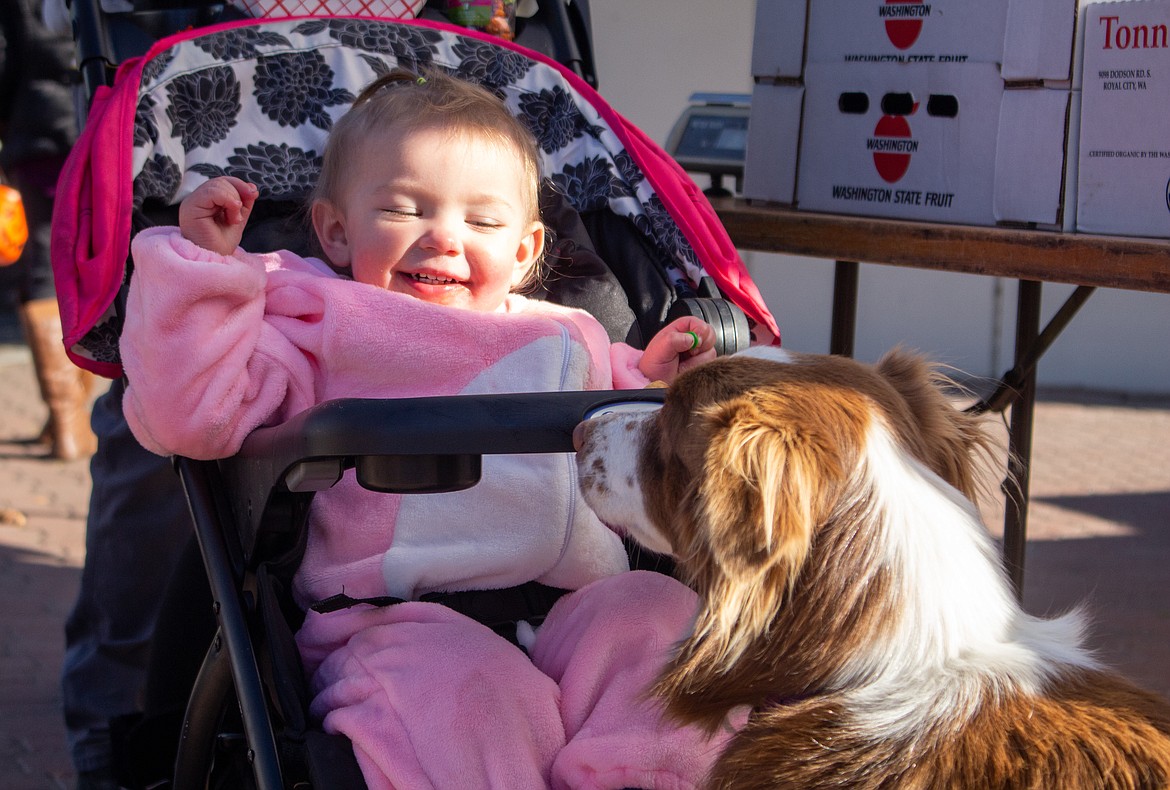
(653, 54)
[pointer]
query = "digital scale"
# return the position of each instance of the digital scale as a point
(711, 137)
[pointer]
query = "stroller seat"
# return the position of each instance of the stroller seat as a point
(634, 242)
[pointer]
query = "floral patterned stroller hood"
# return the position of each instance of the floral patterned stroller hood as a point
(257, 99)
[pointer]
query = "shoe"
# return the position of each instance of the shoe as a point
(65, 387)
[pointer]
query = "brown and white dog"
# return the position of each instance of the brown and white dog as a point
(850, 594)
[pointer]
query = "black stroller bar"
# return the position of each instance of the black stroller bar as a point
(231, 650)
(444, 436)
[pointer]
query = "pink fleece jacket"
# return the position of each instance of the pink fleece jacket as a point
(215, 346)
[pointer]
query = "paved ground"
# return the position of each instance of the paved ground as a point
(1099, 530)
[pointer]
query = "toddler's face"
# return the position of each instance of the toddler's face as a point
(437, 215)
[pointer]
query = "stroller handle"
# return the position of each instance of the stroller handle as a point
(406, 445)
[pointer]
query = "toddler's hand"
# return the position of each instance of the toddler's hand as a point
(681, 344)
(214, 215)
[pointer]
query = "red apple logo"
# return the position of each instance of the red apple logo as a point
(902, 23)
(891, 146)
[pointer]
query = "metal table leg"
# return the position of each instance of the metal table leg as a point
(845, 277)
(1019, 470)
(1017, 388)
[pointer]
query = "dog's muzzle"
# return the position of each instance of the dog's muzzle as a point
(621, 407)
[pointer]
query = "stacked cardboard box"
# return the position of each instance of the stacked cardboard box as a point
(942, 110)
(1124, 170)
(773, 137)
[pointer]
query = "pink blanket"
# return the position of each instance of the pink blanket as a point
(431, 699)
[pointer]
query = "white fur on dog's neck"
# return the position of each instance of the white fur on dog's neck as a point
(770, 353)
(961, 629)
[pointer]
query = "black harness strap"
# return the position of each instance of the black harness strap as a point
(499, 610)
(335, 603)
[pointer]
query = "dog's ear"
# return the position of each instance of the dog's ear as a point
(756, 496)
(762, 493)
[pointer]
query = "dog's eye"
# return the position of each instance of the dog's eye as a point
(623, 407)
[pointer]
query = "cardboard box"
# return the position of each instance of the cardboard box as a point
(773, 142)
(1123, 179)
(778, 39)
(804, 49)
(773, 137)
(939, 142)
(1031, 39)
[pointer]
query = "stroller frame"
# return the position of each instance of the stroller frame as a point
(250, 511)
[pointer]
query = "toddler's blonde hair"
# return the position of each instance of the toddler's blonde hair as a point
(404, 101)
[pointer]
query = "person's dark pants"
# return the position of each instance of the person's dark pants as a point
(137, 527)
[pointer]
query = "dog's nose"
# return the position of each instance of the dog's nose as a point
(579, 435)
